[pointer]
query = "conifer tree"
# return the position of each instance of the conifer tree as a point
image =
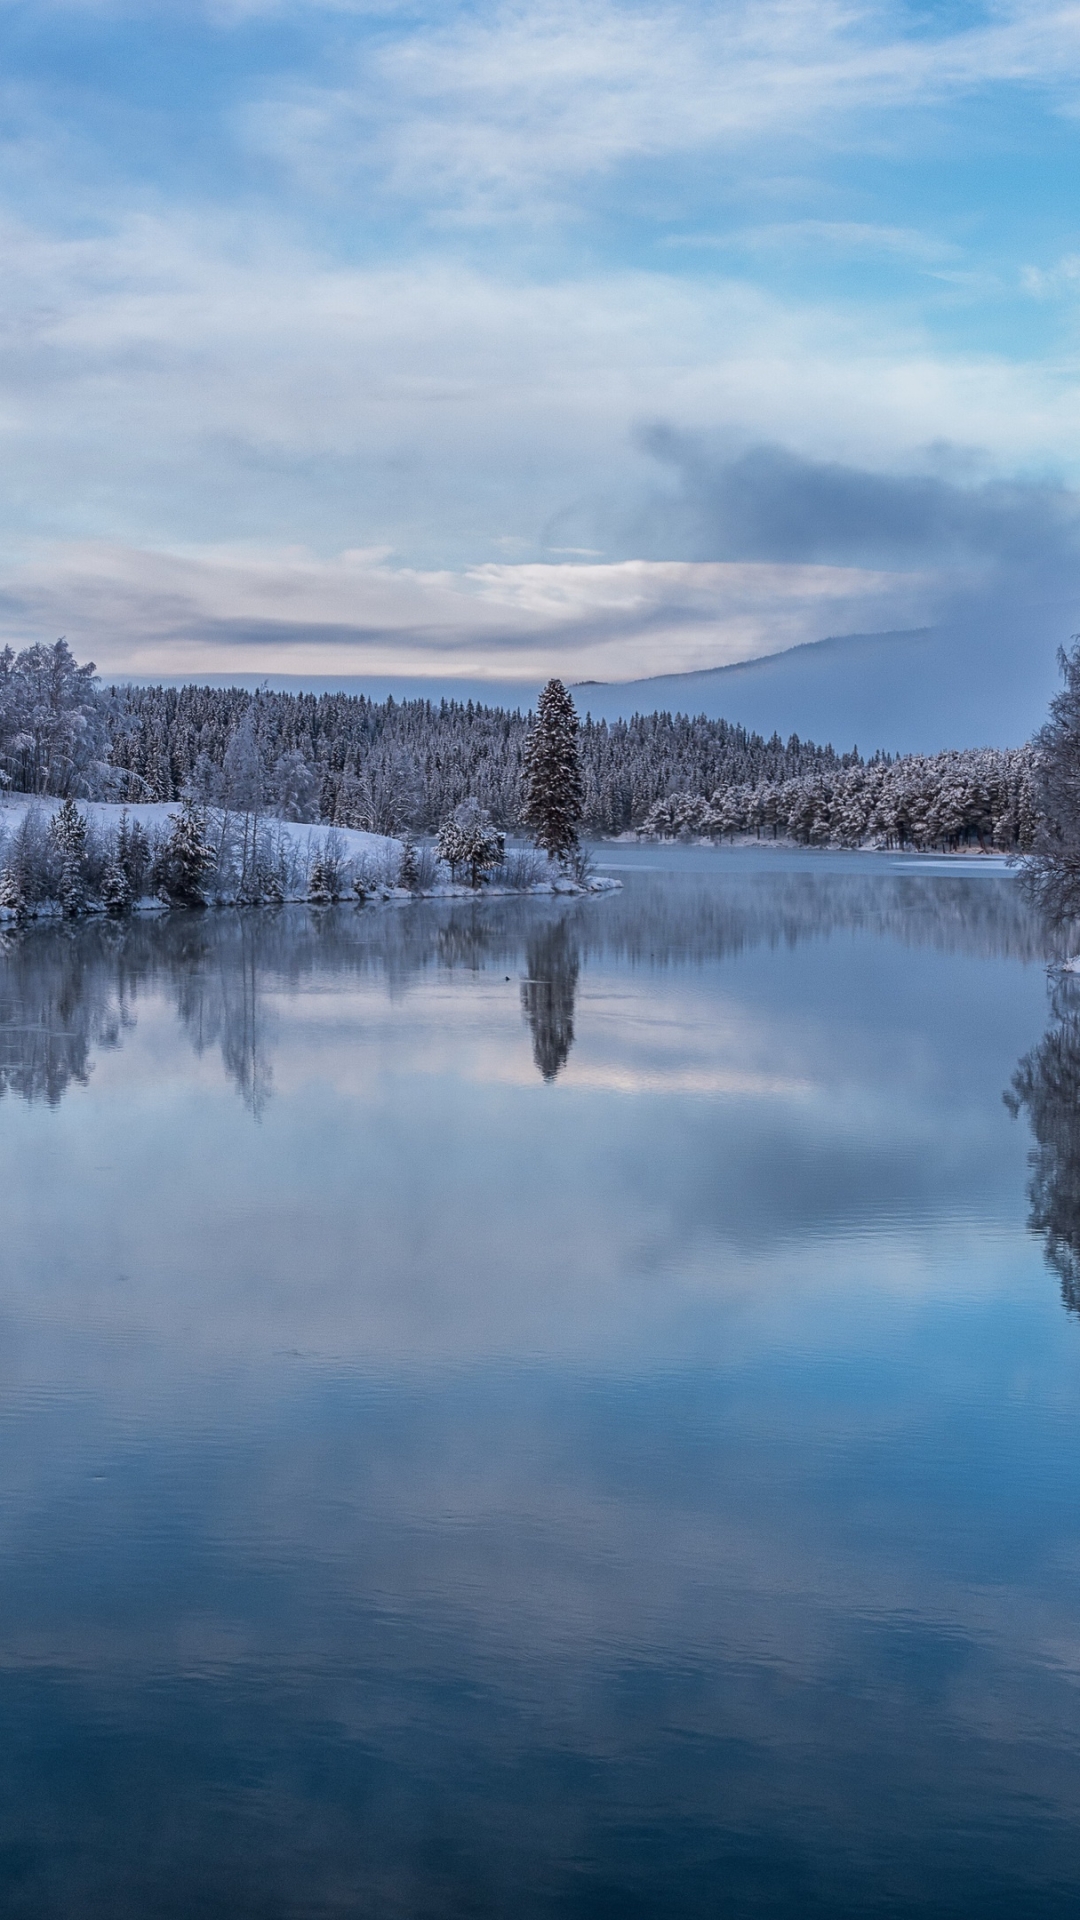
(69, 838)
(409, 871)
(318, 886)
(13, 891)
(116, 889)
(134, 853)
(450, 846)
(554, 797)
(186, 857)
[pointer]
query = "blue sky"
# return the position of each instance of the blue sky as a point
(368, 337)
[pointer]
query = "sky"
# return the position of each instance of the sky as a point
(604, 339)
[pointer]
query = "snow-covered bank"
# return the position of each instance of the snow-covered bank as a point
(156, 815)
(124, 861)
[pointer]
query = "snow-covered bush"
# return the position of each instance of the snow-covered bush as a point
(521, 867)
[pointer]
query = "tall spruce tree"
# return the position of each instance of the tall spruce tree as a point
(554, 789)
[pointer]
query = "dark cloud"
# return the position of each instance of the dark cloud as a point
(767, 503)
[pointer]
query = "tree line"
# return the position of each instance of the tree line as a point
(408, 767)
(345, 760)
(985, 798)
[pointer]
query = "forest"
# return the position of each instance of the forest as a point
(391, 767)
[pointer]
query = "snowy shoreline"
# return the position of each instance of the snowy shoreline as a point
(369, 863)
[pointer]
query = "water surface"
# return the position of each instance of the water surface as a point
(544, 1408)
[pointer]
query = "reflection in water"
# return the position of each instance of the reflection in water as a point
(547, 995)
(1047, 1084)
(65, 990)
(220, 1004)
(59, 998)
(649, 1494)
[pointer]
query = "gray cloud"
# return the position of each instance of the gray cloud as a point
(768, 503)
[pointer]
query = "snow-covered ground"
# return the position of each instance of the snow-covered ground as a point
(372, 859)
(155, 816)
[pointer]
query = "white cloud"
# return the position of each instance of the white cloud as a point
(181, 385)
(293, 612)
(158, 377)
(498, 106)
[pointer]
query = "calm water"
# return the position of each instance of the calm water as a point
(538, 1409)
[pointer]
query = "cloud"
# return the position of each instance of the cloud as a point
(412, 342)
(489, 108)
(843, 237)
(294, 611)
(769, 504)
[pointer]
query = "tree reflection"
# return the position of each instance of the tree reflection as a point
(552, 960)
(66, 990)
(1046, 1085)
(55, 1009)
(221, 1003)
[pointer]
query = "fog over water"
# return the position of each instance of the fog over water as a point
(544, 1407)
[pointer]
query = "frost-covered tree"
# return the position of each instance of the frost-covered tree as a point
(327, 878)
(69, 836)
(470, 840)
(134, 854)
(409, 871)
(553, 796)
(1051, 872)
(294, 786)
(53, 727)
(450, 846)
(116, 889)
(186, 857)
(13, 896)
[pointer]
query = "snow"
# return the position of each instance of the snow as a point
(156, 814)
(378, 854)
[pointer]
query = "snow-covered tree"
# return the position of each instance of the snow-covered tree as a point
(186, 857)
(116, 889)
(553, 789)
(327, 879)
(468, 839)
(53, 731)
(1051, 872)
(409, 871)
(134, 854)
(69, 836)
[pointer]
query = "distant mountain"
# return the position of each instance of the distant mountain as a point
(914, 692)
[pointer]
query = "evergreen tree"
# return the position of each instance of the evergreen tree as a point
(318, 883)
(450, 846)
(13, 891)
(135, 855)
(409, 871)
(68, 834)
(554, 794)
(116, 889)
(186, 857)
